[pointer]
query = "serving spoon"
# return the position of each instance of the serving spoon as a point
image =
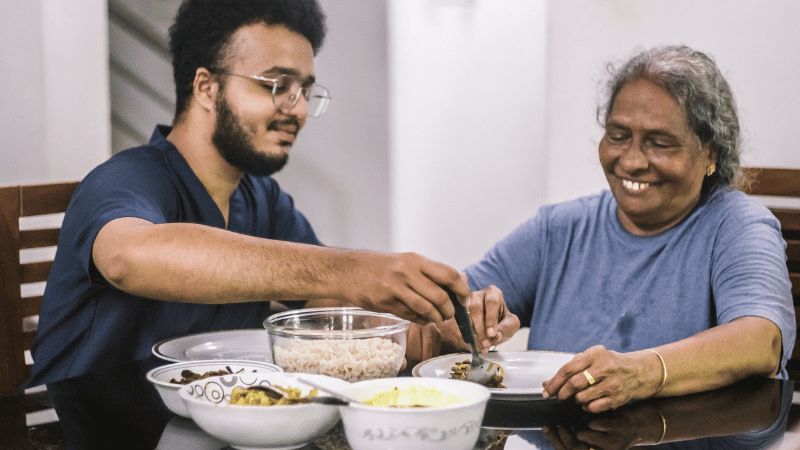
(479, 370)
(336, 399)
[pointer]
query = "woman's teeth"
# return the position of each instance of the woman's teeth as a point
(634, 186)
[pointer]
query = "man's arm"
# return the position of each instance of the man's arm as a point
(200, 264)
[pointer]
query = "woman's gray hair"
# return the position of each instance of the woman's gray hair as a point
(696, 82)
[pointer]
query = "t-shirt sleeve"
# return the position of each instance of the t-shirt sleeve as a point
(749, 274)
(512, 265)
(107, 194)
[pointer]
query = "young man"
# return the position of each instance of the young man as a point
(189, 233)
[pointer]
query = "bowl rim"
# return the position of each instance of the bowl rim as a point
(151, 375)
(185, 394)
(273, 328)
(484, 396)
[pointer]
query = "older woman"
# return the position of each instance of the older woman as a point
(672, 281)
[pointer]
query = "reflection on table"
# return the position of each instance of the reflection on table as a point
(118, 408)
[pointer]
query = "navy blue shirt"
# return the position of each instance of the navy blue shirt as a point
(87, 324)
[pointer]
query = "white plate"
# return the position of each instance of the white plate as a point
(247, 345)
(524, 371)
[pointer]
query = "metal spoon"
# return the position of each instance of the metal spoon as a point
(277, 395)
(480, 371)
(336, 398)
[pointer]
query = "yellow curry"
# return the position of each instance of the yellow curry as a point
(414, 396)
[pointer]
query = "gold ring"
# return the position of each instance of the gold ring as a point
(589, 377)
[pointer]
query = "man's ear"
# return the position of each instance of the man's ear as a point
(205, 88)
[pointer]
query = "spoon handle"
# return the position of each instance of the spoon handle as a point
(462, 319)
(338, 395)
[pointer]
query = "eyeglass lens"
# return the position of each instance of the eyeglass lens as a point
(287, 90)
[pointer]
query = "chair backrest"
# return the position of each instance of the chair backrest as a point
(772, 182)
(15, 339)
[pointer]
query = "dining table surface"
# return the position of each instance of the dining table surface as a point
(118, 408)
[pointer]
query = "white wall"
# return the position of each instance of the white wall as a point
(338, 171)
(54, 113)
(467, 167)
(467, 122)
(451, 120)
(754, 43)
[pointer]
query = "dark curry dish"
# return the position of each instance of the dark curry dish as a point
(187, 376)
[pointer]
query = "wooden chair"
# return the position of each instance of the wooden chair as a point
(785, 183)
(17, 313)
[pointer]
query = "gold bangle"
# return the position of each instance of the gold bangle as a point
(664, 373)
(664, 423)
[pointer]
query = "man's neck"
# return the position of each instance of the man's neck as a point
(218, 177)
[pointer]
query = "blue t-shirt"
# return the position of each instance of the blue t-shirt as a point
(85, 323)
(578, 278)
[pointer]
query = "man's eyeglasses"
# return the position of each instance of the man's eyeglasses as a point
(287, 89)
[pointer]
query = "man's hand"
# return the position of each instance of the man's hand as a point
(405, 284)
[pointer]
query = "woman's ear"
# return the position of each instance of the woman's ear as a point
(711, 159)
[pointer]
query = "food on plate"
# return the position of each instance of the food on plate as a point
(187, 376)
(261, 396)
(459, 372)
(347, 359)
(414, 396)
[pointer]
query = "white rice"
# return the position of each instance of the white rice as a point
(348, 359)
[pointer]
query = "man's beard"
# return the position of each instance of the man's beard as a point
(236, 147)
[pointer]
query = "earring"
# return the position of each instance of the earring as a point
(711, 169)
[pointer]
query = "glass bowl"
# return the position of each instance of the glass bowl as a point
(348, 343)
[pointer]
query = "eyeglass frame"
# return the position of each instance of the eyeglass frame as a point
(292, 99)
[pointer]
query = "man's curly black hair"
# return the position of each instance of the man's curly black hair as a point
(203, 28)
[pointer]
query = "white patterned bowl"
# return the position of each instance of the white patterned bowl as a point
(454, 427)
(161, 376)
(260, 427)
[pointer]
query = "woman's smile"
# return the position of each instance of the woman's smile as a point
(648, 137)
(635, 186)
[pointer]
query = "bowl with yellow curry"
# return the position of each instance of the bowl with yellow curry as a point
(418, 413)
(262, 410)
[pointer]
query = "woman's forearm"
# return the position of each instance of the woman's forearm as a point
(748, 346)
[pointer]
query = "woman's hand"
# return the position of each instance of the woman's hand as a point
(600, 379)
(423, 343)
(613, 430)
(494, 324)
